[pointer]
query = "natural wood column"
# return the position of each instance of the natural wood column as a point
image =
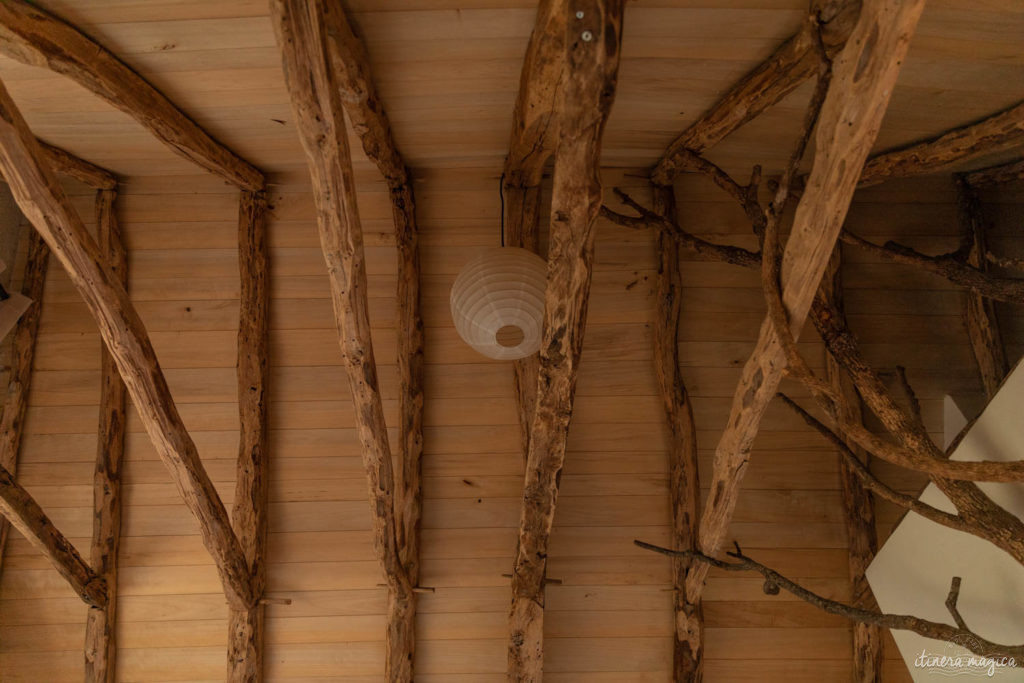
(22, 511)
(861, 535)
(684, 481)
(863, 77)
(593, 41)
(534, 134)
(100, 633)
(789, 66)
(351, 65)
(302, 29)
(980, 312)
(23, 348)
(31, 36)
(998, 131)
(43, 202)
(249, 515)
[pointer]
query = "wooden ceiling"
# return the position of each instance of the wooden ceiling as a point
(448, 71)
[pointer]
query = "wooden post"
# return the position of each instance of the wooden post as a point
(593, 42)
(100, 634)
(351, 66)
(858, 505)
(980, 312)
(863, 77)
(684, 482)
(31, 36)
(12, 421)
(790, 65)
(22, 511)
(302, 32)
(250, 514)
(43, 202)
(534, 133)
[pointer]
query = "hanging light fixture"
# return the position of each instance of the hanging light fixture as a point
(497, 301)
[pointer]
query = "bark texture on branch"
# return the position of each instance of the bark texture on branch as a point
(351, 66)
(789, 66)
(31, 36)
(100, 634)
(250, 512)
(592, 45)
(996, 175)
(979, 312)
(684, 482)
(990, 135)
(863, 77)
(12, 420)
(25, 515)
(534, 134)
(302, 32)
(861, 535)
(43, 202)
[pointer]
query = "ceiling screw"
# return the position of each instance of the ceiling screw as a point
(587, 36)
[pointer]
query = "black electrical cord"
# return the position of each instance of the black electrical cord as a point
(501, 195)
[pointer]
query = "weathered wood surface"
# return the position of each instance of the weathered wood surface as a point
(789, 66)
(979, 312)
(532, 142)
(250, 513)
(23, 346)
(997, 132)
(32, 36)
(593, 41)
(43, 202)
(303, 34)
(68, 164)
(863, 77)
(996, 175)
(100, 626)
(684, 480)
(858, 504)
(25, 515)
(369, 119)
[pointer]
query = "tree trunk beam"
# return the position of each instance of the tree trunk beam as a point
(991, 135)
(351, 66)
(43, 202)
(592, 46)
(100, 633)
(684, 482)
(66, 163)
(863, 76)
(861, 535)
(249, 515)
(790, 65)
(12, 420)
(302, 30)
(996, 175)
(22, 511)
(31, 36)
(979, 312)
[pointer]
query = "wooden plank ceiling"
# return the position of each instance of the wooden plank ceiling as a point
(448, 73)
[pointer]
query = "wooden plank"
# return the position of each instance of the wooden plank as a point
(302, 32)
(12, 421)
(249, 514)
(592, 44)
(44, 204)
(32, 36)
(100, 631)
(863, 77)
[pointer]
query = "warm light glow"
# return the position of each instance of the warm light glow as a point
(498, 302)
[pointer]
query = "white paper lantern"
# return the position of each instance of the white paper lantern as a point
(498, 302)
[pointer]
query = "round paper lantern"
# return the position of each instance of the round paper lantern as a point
(498, 302)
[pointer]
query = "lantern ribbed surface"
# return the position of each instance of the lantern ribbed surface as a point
(501, 290)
